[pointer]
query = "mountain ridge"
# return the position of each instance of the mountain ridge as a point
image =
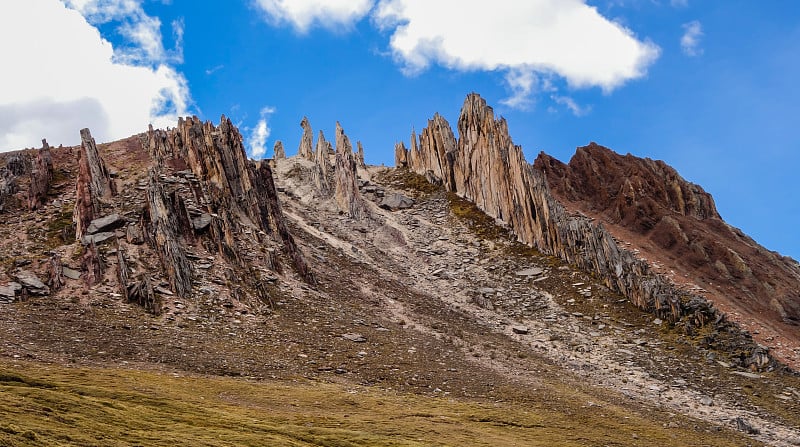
(404, 285)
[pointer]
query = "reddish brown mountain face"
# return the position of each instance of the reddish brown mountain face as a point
(675, 223)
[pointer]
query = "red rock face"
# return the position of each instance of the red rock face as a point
(676, 223)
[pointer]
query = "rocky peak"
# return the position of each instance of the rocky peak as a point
(485, 167)
(677, 224)
(347, 196)
(278, 151)
(306, 149)
(631, 190)
(322, 168)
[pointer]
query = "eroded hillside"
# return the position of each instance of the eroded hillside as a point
(320, 269)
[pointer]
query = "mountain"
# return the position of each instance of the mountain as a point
(464, 297)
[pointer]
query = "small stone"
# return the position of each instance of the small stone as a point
(201, 222)
(70, 273)
(356, 338)
(107, 223)
(533, 271)
(522, 330)
(707, 401)
(97, 238)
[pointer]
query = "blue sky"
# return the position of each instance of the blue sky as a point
(708, 86)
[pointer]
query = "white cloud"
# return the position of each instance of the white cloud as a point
(573, 106)
(258, 137)
(522, 83)
(690, 41)
(303, 14)
(564, 38)
(66, 76)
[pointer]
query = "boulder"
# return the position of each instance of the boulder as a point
(31, 283)
(394, 202)
(106, 223)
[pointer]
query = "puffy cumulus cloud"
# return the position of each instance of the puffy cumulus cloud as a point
(258, 136)
(303, 14)
(690, 41)
(562, 38)
(61, 75)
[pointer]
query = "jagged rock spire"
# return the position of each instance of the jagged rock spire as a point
(322, 168)
(41, 176)
(360, 156)
(306, 149)
(400, 155)
(347, 196)
(485, 166)
(278, 150)
(94, 183)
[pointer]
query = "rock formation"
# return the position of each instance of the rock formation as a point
(485, 167)
(221, 185)
(360, 162)
(164, 214)
(348, 198)
(278, 151)
(306, 149)
(8, 187)
(400, 155)
(41, 176)
(322, 169)
(649, 200)
(94, 183)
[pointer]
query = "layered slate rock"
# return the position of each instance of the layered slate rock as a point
(485, 167)
(650, 200)
(93, 185)
(347, 196)
(41, 176)
(306, 149)
(225, 195)
(323, 171)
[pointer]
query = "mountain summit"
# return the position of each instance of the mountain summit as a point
(551, 300)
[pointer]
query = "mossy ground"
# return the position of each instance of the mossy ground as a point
(45, 405)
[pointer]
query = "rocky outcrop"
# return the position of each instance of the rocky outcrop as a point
(55, 273)
(225, 195)
(8, 187)
(163, 214)
(19, 164)
(322, 174)
(400, 155)
(347, 196)
(360, 162)
(634, 192)
(306, 149)
(41, 176)
(138, 290)
(485, 167)
(93, 185)
(649, 200)
(278, 151)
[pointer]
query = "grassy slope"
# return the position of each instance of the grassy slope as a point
(46, 405)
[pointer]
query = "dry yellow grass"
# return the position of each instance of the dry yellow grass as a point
(47, 405)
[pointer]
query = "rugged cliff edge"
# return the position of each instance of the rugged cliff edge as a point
(675, 224)
(484, 166)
